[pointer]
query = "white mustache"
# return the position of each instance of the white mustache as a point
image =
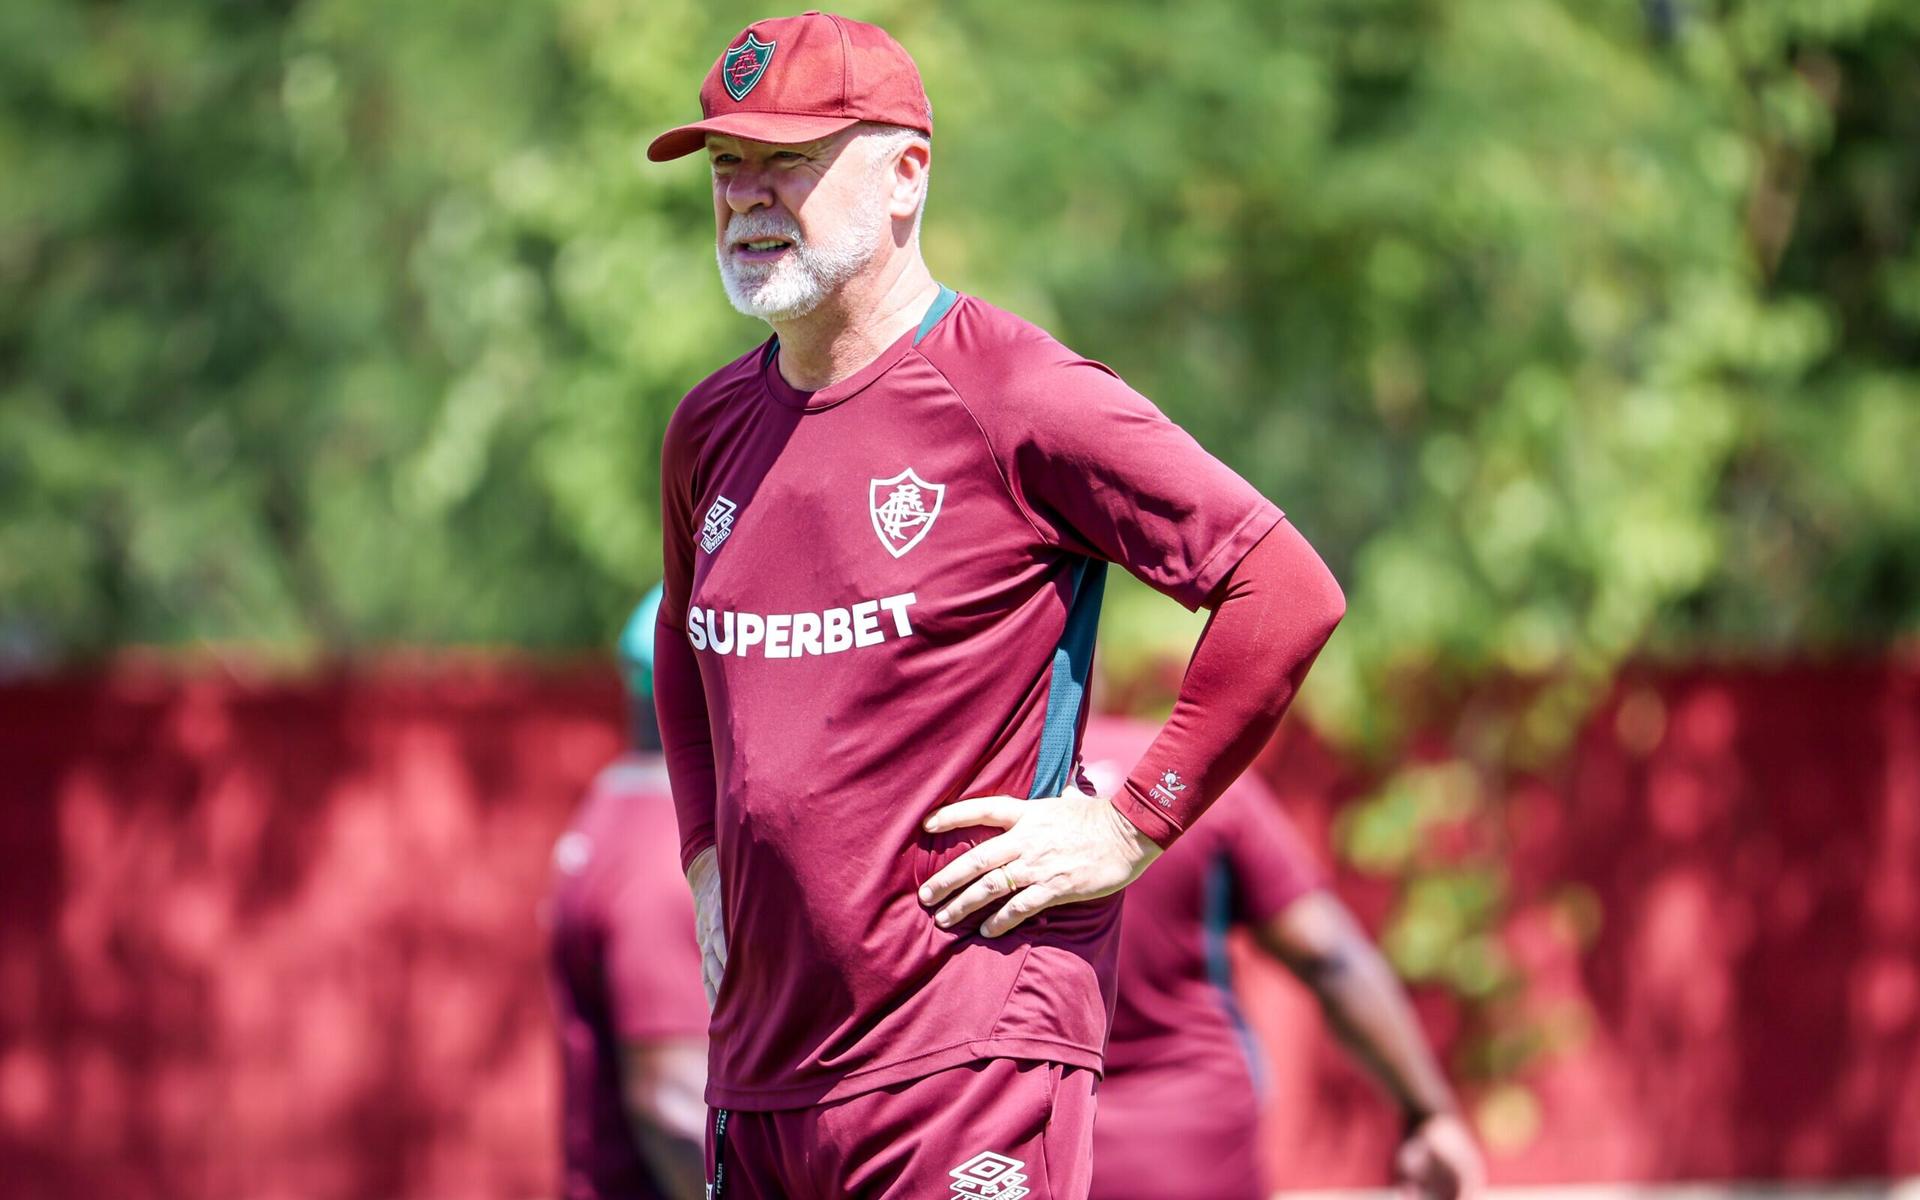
(746, 227)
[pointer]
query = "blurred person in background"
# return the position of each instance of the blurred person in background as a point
(625, 971)
(886, 535)
(1179, 1115)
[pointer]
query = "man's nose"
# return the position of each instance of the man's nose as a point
(748, 190)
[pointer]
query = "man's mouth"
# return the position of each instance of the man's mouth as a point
(761, 249)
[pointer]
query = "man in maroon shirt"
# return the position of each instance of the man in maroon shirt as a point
(625, 973)
(1179, 1106)
(886, 530)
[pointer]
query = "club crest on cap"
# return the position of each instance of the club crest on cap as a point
(744, 65)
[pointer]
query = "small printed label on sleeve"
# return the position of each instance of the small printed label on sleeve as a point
(1168, 788)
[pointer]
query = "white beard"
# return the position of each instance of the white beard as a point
(807, 274)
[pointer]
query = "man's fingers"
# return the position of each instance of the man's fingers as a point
(710, 972)
(999, 811)
(997, 882)
(1426, 1171)
(982, 859)
(713, 960)
(1409, 1159)
(1024, 904)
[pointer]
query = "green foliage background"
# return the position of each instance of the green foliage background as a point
(1563, 328)
(1567, 330)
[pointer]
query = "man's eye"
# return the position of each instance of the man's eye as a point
(789, 155)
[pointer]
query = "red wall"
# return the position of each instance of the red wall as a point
(265, 941)
(1744, 847)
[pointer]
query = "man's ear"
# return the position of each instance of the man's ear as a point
(910, 180)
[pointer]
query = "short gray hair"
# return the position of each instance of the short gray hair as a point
(886, 141)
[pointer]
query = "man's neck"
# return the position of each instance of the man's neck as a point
(849, 330)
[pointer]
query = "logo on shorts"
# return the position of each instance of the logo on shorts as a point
(1168, 787)
(718, 525)
(989, 1176)
(900, 509)
(744, 65)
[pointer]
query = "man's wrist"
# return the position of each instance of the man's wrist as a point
(1146, 819)
(704, 863)
(1139, 845)
(1414, 1116)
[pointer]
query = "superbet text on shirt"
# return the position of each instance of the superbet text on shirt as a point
(890, 586)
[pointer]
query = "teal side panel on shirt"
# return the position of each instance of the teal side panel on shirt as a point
(1216, 920)
(941, 303)
(1067, 692)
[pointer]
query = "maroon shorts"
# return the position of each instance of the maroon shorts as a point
(994, 1130)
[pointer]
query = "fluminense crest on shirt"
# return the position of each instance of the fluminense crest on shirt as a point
(744, 66)
(718, 525)
(903, 509)
(989, 1176)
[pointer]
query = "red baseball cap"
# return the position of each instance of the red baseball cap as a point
(799, 79)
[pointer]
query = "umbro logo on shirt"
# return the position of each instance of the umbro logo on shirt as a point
(718, 525)
(989, 1176)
